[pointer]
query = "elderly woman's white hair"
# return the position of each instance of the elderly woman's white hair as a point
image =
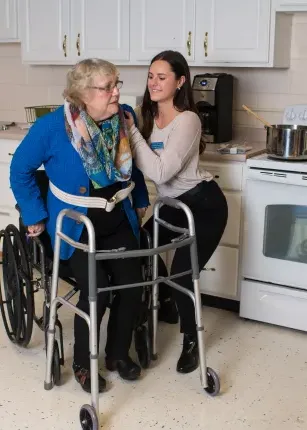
(80, 77)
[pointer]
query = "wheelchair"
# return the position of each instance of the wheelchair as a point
(23, 257)
(27, 269)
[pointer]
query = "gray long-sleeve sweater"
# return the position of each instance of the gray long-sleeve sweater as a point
(170, 158)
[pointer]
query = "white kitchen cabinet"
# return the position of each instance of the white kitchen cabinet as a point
(231, 234)
(291, 5)
(100, 28)
(45, 31)
(8, 213)
(8, 21)
(229, 176)
(162, 25)
(235, 31)
(220, 278)
(66, 31)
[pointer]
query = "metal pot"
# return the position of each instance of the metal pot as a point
(287, 142)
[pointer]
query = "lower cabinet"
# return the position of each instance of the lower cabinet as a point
(220, 276)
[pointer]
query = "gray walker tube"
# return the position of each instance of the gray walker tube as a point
(187, 238)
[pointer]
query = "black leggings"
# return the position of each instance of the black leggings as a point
(125, 306)
(209, 208)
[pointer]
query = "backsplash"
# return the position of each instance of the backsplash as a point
(267, 91)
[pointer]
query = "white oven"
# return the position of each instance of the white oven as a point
(274, 267)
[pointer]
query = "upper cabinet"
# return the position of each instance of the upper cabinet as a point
(65, 31)
(291, 5)
(8, 21)
(161, 25)
(101, 29)
(44, 30)
(236, 31)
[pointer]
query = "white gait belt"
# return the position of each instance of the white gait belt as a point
(92, 202)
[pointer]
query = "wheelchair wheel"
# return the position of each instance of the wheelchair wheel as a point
(10, 297)
(143, 346)
(56, 365)
(25, 283)
(88, 418)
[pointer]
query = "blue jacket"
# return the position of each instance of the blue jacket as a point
(47, 144)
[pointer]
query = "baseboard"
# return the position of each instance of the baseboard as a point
(221, 303)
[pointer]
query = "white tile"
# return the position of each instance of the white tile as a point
(10, 50)
(55, 95)
(298, 65)
(298, 83)
(39, 75)
(299, 41)
(12, 71)
(27, 95)
(248, 99)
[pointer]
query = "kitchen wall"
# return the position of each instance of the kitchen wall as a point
(267, 91)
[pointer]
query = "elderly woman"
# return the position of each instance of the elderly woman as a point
(85, 150)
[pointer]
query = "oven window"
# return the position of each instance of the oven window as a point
(285, 232)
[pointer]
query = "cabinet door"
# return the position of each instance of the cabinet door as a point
(233, 31)
(291, 5)
(231, 234)
(160, 25)
(221, 277)
(8, 21)
(45, 28)
(101, 29)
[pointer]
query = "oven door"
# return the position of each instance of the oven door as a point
(275, 233)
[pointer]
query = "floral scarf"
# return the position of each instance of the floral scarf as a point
(105, 152)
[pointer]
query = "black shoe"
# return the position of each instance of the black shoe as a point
(188, 360)
(83, 376)
(127, 369)
(168, 312)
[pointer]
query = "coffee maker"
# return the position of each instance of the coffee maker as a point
(213, 94)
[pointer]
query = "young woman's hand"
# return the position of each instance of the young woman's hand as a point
(36, 229)
(129, 119)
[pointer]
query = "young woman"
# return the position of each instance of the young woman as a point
(166, 149)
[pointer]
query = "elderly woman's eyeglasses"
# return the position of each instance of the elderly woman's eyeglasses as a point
(109, 88)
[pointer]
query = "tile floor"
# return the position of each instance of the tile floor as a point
(263, 371)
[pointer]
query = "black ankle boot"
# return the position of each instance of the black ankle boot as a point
(127, 369)
(83, 376)
(188, 360)
(168, 311)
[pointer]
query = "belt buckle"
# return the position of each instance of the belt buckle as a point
(110, 202)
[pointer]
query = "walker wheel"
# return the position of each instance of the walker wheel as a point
(56, 366)
(143, 346)
(213, 388)
(88, 418)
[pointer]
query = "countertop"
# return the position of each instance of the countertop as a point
(210, 154)
(13, 133)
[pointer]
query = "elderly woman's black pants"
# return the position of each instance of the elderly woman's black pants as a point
(126, 303)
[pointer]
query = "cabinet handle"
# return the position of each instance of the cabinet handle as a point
(78, 45)
(11, 154)
(65, 45)
(217, 176)
(206, 44)
(189, 44)
(209, 269)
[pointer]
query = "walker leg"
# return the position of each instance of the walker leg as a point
(53, 314)
(93, 331)
(198, 315)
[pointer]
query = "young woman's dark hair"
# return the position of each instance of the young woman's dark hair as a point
(183, 99)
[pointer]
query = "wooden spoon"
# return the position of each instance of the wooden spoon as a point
(267, 124)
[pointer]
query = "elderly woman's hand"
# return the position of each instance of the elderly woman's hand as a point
(141, 212)
(36, 229)
(129, 119)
